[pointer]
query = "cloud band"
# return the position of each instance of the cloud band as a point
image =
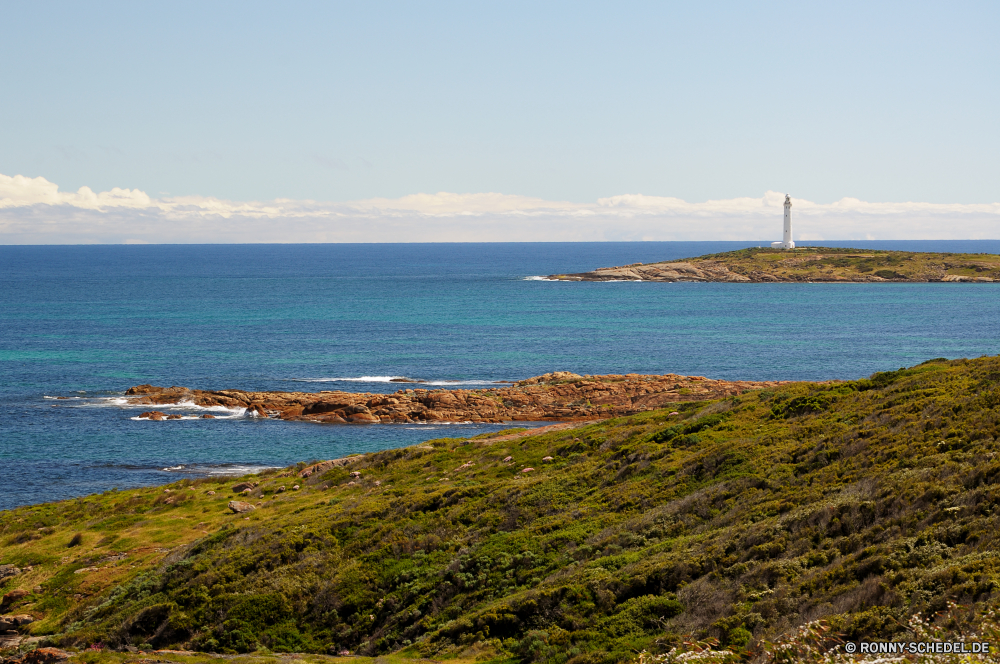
(34, 211)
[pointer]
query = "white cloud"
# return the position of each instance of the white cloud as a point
(34, 211)
(19, 191)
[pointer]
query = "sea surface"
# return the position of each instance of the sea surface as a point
(87, 322)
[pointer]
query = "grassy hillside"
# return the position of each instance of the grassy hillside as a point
(859, 503)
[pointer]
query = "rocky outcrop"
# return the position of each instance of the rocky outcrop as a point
(8, 623)
(559, 396)
(239, 507)
(680, 271)
(12, 597)
(40, 656)
(7, 571)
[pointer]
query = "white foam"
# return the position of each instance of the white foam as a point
(190, 405)
(398, 380)
(173, 468)
(240, 470)
(537, 278)
(236, 413)
(354, 379)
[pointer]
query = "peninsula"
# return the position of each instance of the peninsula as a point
(740, 519)
(807, 264)
(560, 396)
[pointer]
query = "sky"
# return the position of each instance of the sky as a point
(393, 121)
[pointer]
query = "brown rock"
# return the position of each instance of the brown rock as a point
(45, 656)
(13, 596)
(208, 416)
(243, 486)
(7, 571)
(256, 410)
(175, 416)
(239, 507)
(143, 389)
(559, 397)
(153, 415)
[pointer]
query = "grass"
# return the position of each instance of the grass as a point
(857, 503)
(827, 263)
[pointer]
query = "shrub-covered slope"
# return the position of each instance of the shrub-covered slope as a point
(858, 502)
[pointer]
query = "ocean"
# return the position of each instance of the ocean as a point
(87, 322)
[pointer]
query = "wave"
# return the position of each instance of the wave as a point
(183, 418)
(219, 469)
(123, 402)
(602, 281)
(357, 379)
(400, 380)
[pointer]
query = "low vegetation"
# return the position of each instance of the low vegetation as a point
(832, 264)
(857, 504)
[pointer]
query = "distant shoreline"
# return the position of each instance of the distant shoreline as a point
(806, 265)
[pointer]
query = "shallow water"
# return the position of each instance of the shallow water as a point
(88, 322)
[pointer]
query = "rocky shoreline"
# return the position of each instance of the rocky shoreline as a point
(559, 396)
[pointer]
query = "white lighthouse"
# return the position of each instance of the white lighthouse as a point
(786, 242)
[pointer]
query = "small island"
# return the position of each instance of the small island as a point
(807, 265)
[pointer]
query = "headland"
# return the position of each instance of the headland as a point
(559, 396)
(741, 519)
(807, 264)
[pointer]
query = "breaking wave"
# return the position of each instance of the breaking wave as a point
(398, 380)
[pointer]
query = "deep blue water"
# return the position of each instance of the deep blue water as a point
(88, 322)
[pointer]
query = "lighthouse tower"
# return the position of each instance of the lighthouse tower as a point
(786, 241)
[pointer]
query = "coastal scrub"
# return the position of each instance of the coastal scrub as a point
(857, 503)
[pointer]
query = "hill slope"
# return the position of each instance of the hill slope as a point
(858, 502)
(807, 264)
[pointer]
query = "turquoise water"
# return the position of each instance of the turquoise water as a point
(88, 322)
